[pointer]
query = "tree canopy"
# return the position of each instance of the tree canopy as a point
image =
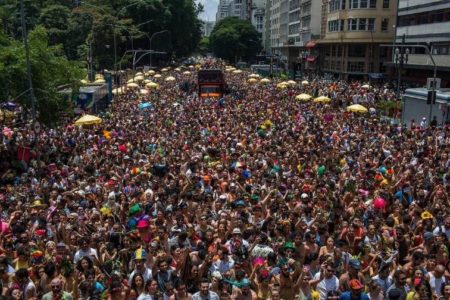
(66, 29)
(233, 39)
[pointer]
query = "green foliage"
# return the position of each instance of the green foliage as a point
(234, 39)
(50, 70)
(204, 46)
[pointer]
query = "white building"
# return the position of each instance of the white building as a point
(223, 10)
(425, 23)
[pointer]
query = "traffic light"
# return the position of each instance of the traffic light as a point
(431, 97)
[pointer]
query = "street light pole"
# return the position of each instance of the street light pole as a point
(27, 55)
(151, 39)
(401, 58)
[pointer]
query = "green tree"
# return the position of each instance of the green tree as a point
(233, 39)
(50, 70)
(204, 46)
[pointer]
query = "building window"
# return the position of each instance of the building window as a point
(352, 24)
(357, 66)
(355, 4)
(384, 25)
(337, 5)
(361, 24)
(356, 51)
(333, 26)
(385, 3)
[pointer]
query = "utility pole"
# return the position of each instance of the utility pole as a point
(27, 55)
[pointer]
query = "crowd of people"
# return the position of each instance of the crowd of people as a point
(252, 196)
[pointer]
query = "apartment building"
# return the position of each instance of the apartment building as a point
(424, 23)
(350, 42)
(294, 25)
(223, 9)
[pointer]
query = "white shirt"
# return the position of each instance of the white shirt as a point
(211, 296)
(326, 285)
(383, 283)
(91, 253)
(221, 265)
(147, 275)
(440, 229)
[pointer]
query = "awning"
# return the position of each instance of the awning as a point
(310, 44)
(310, 59)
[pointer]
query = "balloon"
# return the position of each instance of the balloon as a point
(379, 203)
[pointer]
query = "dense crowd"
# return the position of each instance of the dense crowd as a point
(252, 196)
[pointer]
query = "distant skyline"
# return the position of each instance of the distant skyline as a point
(210, 9)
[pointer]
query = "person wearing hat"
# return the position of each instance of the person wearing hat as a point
(356, 291)
(236, 241)
(354, 267)
(140, 260)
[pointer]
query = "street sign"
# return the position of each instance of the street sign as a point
(433, 81)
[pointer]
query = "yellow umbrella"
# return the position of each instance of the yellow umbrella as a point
(118, 91)
(138, 74)
(237, 72)
(282, 85)
(265, 80)
(151, 72)
(177, 69)
(99, 81)
(133, 85)
(143, 91)
(152, 85)
(322, 99)
(191, 67)
(252, 80)
(164, 70)
(88, 120)
(186, 73)
(357, 108)
(157, 76)
(139, 78)
(305, 82)
(130, 80)
(253, 76)
(147, 81)
(170, 78)
(291, 82)
(303, 97)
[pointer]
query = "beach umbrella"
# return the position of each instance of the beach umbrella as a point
(145, 105)
(357, 108)
(237, 72)
(177, 69)
(143, 91)
(303, 97)
(118, 91)
(157, 76)
(151, 73)
(191, 67)
(147, 81)
(132, 85)
(291, 82)
(253, 75)
(366, 86)
(170, 78)
(282, 85)
(322, 99)
(186, 73)
(138, 74)
(139, 78)
(252, 80)
(164, 70)
(88, 120)
(305, 82)
(265, 80)
(152, 85)
(130, 80)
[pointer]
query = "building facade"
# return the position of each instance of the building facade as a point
(350, 44)
(426, 24)
(223, 9)
(294, 24)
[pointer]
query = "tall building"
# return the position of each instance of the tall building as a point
(429, 25)
(223, 10)
(355, 29)
(295, 24)
(207, 27)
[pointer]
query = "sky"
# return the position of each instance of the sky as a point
(210, 9)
